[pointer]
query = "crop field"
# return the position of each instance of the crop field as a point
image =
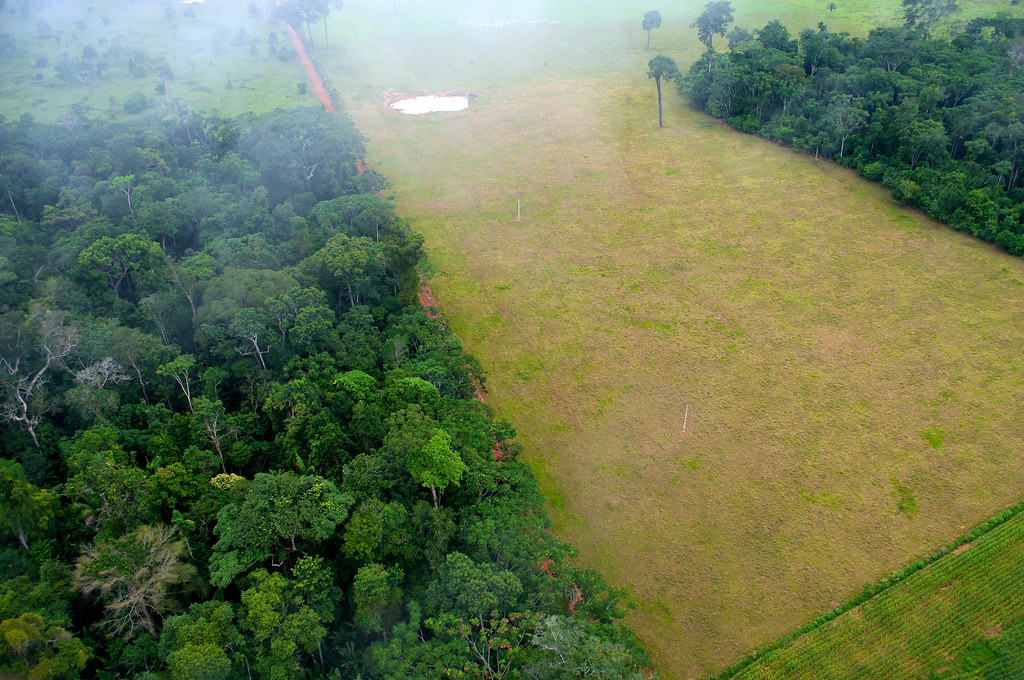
(924, 625)
(846, 367)
(848, 370)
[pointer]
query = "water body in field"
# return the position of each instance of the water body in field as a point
(417, 106)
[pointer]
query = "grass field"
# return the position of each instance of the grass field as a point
(849, 366)
(214, 66)
(850, 369)
(946, 619)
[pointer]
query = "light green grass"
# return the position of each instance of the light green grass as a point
(921, 626)
(209, 72)
(815, 328)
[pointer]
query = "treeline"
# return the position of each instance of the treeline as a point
(234, 446)
(939, 121)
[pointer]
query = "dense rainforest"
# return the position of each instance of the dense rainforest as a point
(235, 446)
(938, 120)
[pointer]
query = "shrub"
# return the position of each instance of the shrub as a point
(136, 103)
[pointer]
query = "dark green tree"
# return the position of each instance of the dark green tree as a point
(659, 68)
(201, 643)
(25, 510)
(716, 17)
(652, 20)
(279, 513)
(34, 648)
(845, 116)
(436, 466)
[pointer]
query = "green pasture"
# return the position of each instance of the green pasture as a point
(210, 72)
(963, 613)
(849, 370)
(848, 367)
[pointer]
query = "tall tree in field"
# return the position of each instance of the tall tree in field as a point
(311, 11)
(717, 15)
(651, 21)
(331, 4)
(662, 67)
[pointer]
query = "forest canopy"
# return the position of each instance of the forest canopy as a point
(937, 119)
(234, 445)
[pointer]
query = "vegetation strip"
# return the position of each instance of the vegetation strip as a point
(935, 119)
(872, 590)
(235, 443)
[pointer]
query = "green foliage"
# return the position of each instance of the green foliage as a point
(35, 649)
(928, 117)
(198, 644)
(280, 623)
(210, 333)
(652, 20)
(713, 20)
(136, 102)
(376, 596)
(25, 510)
(662, 67)
(473, 591)
(436, 465)
(279, 512)
(572, 648)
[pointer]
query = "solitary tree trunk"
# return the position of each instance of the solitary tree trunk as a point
(657, 81)
(648, 39)
(17, 216)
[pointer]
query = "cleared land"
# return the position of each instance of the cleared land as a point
(925, 625)
(220, 59)
(850, 367)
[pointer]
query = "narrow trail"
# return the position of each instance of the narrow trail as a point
(318, 84)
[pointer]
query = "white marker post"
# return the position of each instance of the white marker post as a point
(685, 413)
(519, 212)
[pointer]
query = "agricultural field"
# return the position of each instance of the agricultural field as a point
(848, 369)
(844, 364)
(960, 616)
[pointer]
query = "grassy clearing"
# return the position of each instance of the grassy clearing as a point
(853, 396)
(953, 616)
(211, 72)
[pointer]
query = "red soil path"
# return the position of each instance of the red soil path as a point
(318, 84)
(428, 300)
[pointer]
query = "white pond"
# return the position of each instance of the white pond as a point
(417, 106)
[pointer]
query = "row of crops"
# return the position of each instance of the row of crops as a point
(959, 617)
